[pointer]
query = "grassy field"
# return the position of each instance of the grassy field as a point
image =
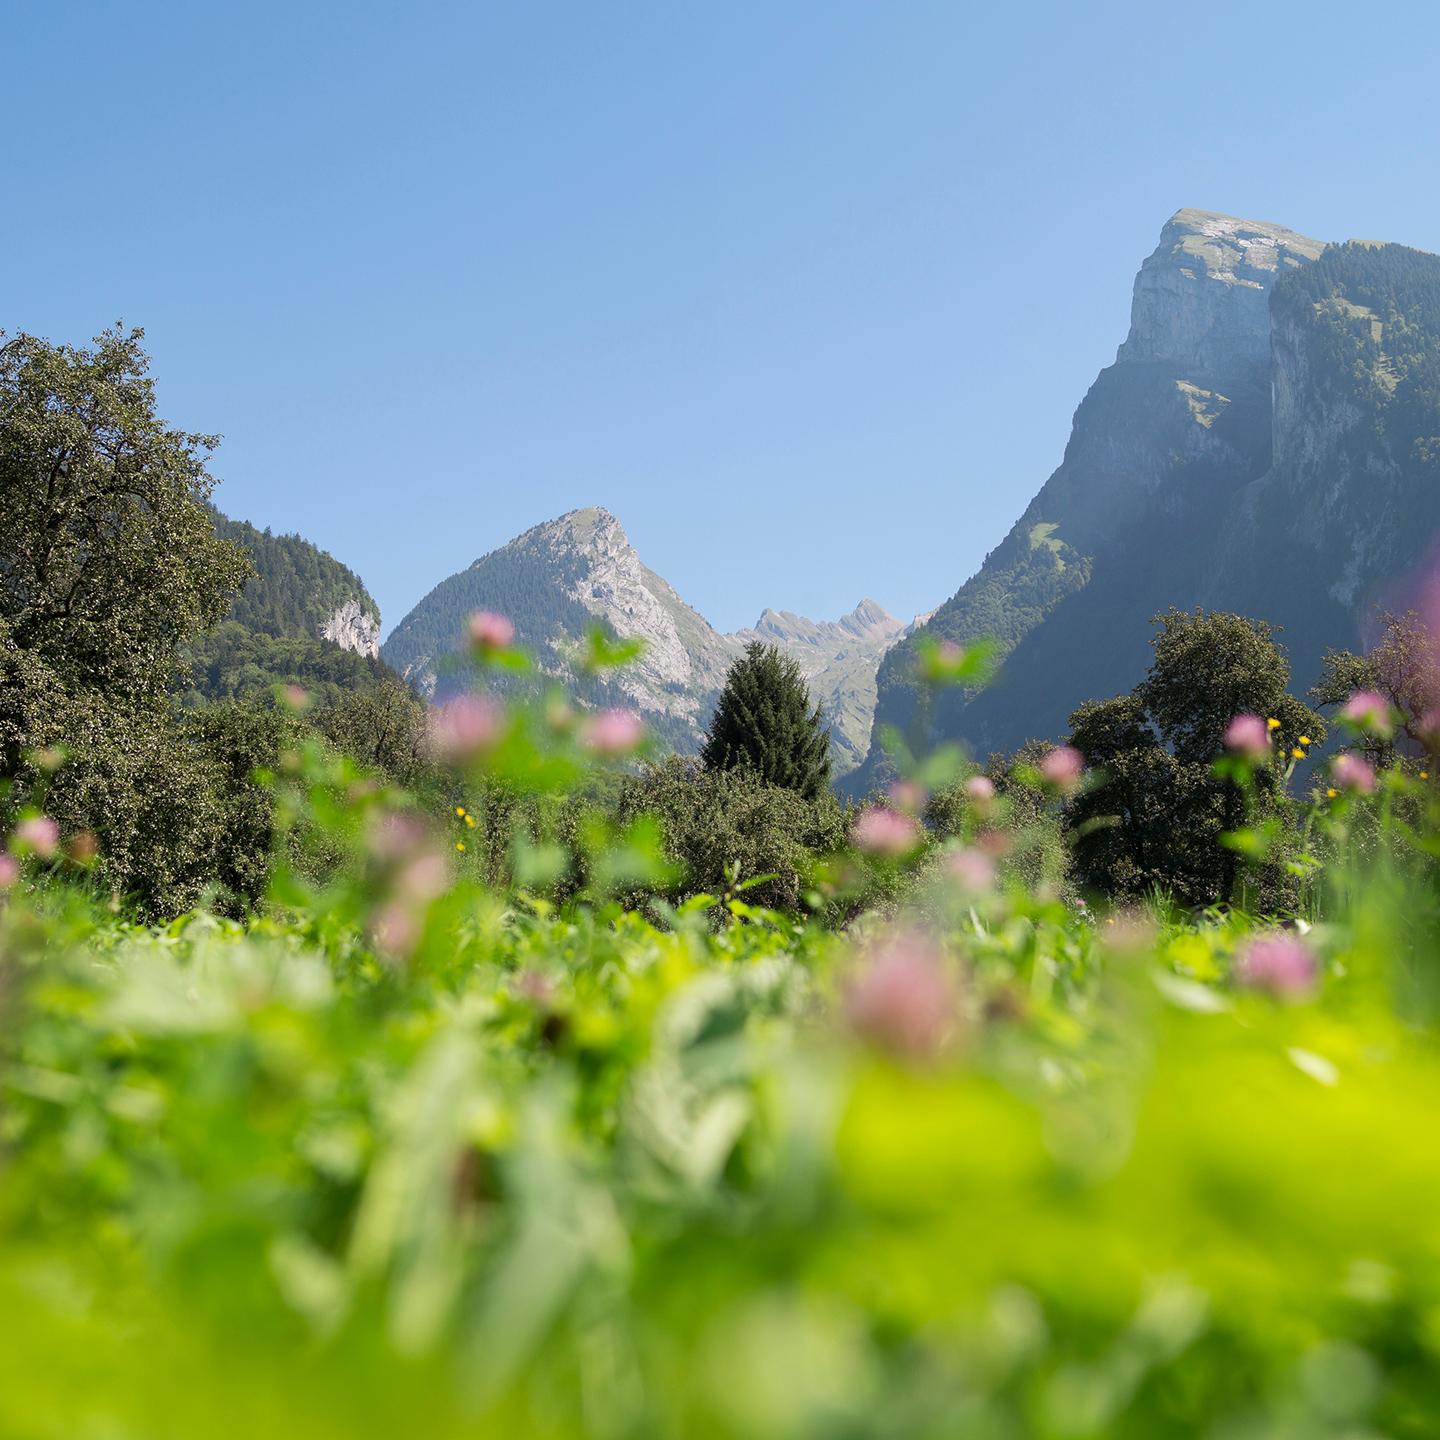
(407, 1155)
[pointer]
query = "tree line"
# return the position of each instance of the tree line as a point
(138, 708)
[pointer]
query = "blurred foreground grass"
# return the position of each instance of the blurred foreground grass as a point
(409, 1156)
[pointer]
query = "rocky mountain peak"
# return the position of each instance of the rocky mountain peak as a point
(1201, 299)
(872, 620)
(559, 578)
(555, 582)
(838, 659)
(592, 529)
(868, 622)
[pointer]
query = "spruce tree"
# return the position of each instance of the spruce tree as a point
(764, 722)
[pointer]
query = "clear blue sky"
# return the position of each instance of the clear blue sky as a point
(805, 293)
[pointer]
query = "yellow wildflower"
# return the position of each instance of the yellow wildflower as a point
(460, 845)
(1297, 753)
(1332, 792)
(470, 821)
(1305, 740)
(1272, 723)
(460, 811)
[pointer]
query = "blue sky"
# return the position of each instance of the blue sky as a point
(806, 293)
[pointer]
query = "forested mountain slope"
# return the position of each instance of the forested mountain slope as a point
(302, 618)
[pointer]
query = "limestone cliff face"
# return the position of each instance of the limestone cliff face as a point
(353, 627)
(1189, 385)
(1170, 432)
(1335, 527)
(1201, 301)
(1267, 442)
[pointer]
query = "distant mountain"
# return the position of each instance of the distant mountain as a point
(839, 659)
(303, 618)
(1267, 441)
(555, 582)
(560, 578)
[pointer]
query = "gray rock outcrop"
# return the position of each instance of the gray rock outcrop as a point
(353, 627)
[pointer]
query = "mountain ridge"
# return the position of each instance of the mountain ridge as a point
(1248, 360)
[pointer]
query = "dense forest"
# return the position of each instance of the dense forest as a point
(271, 634)
(296, 587)
(233, 662)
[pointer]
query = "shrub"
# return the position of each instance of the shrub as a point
(151, 794)
(1023, 826)
(726, 824)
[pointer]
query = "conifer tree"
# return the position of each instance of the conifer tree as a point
(764, 722)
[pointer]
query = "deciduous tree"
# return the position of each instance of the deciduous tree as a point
(109, 558)
(1159, 815)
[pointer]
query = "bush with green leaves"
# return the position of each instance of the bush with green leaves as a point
(382, 725)
(1023, 825)
(1403, 667)
(176, 806)
(149, 792)
(729, 826)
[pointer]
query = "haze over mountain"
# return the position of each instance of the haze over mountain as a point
(1265, 442)
(558, 579)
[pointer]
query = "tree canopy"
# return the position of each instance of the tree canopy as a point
(109, 560)
(1402, 666)
(764, 721)
(1159, 815)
